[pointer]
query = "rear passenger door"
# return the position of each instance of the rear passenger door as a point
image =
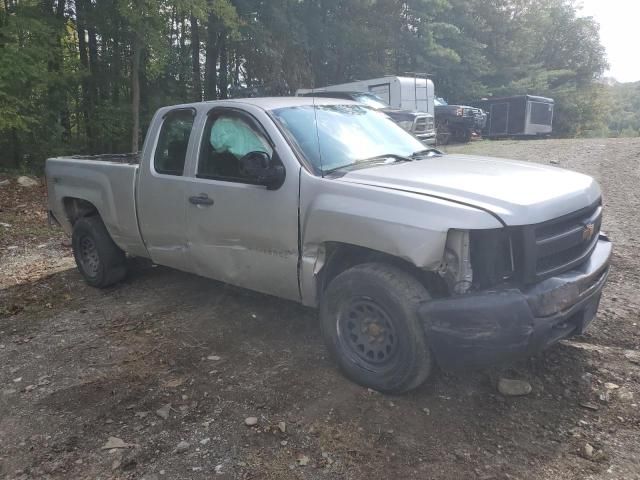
(240, 232)
(162, 188)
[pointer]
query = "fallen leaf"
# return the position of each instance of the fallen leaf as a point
(115, 442)
(174, 382)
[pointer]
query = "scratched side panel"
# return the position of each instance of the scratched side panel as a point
(406, 225)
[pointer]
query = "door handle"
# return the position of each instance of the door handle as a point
(201, 199)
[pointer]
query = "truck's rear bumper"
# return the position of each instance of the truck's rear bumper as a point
(492, 326)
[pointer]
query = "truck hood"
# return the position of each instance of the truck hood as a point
(400, 115)
(520, 193)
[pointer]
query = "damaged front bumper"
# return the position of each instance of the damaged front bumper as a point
(492, 326)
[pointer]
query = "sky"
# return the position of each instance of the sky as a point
(618, 21)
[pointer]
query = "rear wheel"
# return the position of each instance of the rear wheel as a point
(463, 135)
(100, 261)
(370, 325)
(443, 133)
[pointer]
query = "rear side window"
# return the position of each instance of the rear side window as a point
(171, 151)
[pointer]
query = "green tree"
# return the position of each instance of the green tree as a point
(85, 76)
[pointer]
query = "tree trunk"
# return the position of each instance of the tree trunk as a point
(65, 120)
(182, 74)
(135, 93)
(195, 59)
(15, 141)
(223, 78)
(211, 62)
(115, 71)
(94, 65)
(84, 62)
(60, 8)
(236, 75)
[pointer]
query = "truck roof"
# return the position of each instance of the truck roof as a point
(272, 103)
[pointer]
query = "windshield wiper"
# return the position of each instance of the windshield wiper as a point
(356, 164)
(400, 158)
(428, 152)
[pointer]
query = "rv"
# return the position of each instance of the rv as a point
(405, 93)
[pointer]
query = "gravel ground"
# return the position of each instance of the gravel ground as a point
(171, 365)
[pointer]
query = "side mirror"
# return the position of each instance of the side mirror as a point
(259, 166)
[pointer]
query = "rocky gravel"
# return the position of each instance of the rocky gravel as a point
(172, 376)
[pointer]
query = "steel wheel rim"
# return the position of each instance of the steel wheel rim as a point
(367, 333)
(88, 253)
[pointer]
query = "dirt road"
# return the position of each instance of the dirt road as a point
(171, 365)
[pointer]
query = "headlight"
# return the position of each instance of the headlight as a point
(406, 124)
(493, 255)
(455, 268)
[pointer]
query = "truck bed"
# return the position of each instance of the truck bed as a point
(108, 182)
(128, 158)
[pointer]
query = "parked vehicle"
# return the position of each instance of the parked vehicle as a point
(457, 122)
(519, 116)
(418, 123)
(406, 93)
(412, 257)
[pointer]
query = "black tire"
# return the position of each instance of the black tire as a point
(443, 134)
(100, 261)
(387, 298)
(464, 135)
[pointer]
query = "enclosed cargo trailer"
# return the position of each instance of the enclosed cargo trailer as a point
(517, 116)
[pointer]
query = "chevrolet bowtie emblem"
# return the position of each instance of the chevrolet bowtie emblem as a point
(587, 232)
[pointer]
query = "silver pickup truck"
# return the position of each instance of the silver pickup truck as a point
(413, 257)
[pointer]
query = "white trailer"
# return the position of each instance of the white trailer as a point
(406, 93)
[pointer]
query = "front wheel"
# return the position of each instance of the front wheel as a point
(369, 322)
(100, 261)
(443, 134)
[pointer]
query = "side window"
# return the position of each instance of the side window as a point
(227, 138)
(173, 141)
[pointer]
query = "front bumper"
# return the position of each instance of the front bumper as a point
(427, 138)
(480, 122)
(492, 326)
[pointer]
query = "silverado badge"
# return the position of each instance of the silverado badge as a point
(587, 232)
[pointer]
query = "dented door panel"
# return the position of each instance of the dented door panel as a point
(247, 235)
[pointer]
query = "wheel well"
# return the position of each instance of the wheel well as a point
(76, 208)
(342, 256)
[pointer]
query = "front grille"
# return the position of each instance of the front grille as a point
(420, 125)
(561, 244)
(430, 124)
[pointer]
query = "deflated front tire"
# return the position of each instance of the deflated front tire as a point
(370, 325)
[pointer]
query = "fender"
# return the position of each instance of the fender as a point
(403, 224)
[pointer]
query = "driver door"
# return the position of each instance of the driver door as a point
(240, 232)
